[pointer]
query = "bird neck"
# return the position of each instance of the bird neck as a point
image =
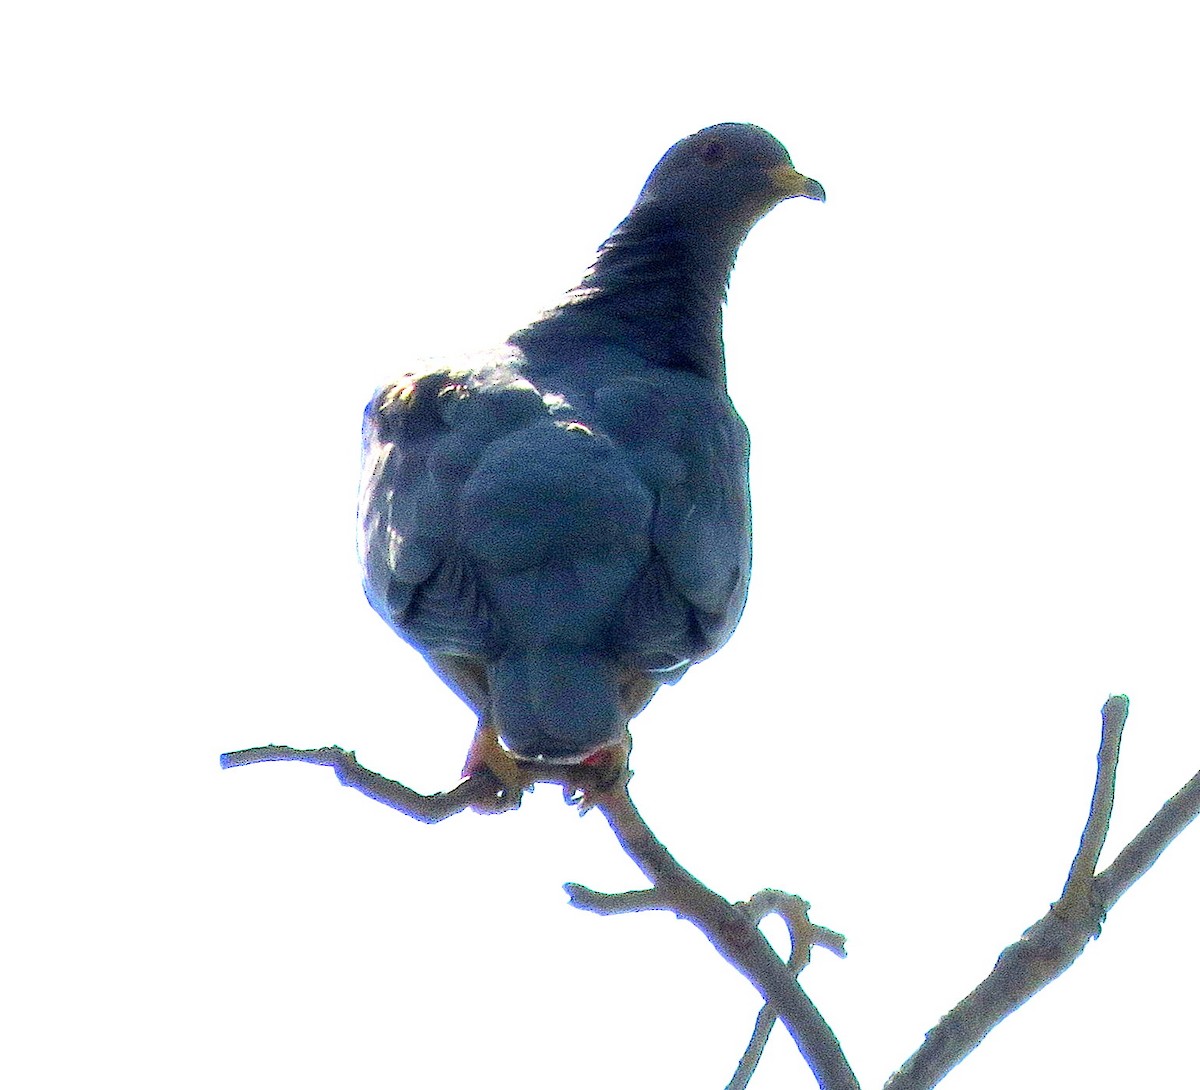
(657, 288)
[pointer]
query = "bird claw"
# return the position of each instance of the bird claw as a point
(604, 772)
(601, 773)
(503, 800)
(488, 755)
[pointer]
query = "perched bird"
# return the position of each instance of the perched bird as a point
(562, 525)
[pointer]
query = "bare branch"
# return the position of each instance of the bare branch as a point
(475, 791)
(483, 791)
(1095, 831)
(803, 935)
(613, 904)
(802, 932)
(1044, 951)
(793, 910)
(1048, 948)
(1141, 853)
(732, 930)
(757, 1044)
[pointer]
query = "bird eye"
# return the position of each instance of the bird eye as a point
(713, 152)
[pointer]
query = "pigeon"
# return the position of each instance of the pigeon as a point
(561, 525)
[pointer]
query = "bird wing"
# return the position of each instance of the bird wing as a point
(422, 439)
(691, 449)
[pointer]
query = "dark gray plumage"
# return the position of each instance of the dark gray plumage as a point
(563, 525)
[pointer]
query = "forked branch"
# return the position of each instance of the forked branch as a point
(731, 928)
(1048, 948)
(1044, 951)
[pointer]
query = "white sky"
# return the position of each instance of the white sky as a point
(970, 378)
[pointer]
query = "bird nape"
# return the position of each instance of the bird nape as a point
(562, 524)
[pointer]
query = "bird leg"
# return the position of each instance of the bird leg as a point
(584, 782)
(486, 752)
(605, 771)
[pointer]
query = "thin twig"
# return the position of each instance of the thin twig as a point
(1095, 830)
(755, 1048)
(475, 791)
(1048, 948)
(614, 904)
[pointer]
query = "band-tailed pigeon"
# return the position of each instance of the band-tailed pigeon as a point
(562, 525)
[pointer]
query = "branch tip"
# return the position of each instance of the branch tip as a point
(1051, 946)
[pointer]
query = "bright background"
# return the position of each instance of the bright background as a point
(970, 378)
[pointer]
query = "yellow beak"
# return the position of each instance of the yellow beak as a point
(790, 183)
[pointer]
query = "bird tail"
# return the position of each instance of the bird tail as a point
(557, 704)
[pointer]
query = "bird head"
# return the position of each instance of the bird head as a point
(728, 174)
